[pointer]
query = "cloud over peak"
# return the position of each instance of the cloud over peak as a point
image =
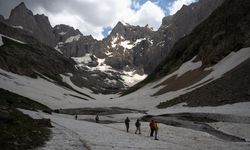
(94, 16)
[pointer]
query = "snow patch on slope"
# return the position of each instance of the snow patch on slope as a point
(226, 64)
(67, 80)
(184, 68)
(58, 46)
(85, 59)
(11, 39)
(131, 78)
(73, 38)
(40, 90)
(18, 27)
(62, 33)
(126, 44)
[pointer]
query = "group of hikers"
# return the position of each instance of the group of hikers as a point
(153, 127)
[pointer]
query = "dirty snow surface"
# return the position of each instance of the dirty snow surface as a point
(88, 135)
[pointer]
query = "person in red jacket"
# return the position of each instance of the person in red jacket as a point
(151, 127)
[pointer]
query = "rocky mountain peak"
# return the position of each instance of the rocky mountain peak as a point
(21, 16)
(21, 6)
(118, 29)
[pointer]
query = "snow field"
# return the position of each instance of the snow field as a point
(238, 129)
(114, 136)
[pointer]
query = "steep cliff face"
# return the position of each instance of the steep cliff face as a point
(223, 32)
(177, 26)
(38, 25)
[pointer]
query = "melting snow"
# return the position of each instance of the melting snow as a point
(184, 68)
(131, 78)
(109, 54)
(85, 59)
(41, 90)
(127, 44)
(11, 39)
(73, 38)
(18, 27)
(62, 33)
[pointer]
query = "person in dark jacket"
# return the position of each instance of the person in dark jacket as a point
(138, 126)
(151, 125)
(97, 118)
(127, 123)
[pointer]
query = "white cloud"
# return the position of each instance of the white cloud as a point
(177, 4)
(91, 16)
(149, 13)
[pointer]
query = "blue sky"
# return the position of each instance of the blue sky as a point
(163, 4)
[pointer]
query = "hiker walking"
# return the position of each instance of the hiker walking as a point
(97, 118)
(138, 126)
(75, 116)
(151, 125)
(155, 126)
(127, 123)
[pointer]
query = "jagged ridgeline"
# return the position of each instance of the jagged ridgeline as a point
(120, 60)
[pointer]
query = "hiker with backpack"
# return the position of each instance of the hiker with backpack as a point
(138, 126)
(151, 127)
(97, 118)
(155, 126)
(127, 123)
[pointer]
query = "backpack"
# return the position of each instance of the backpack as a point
(137, 124)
